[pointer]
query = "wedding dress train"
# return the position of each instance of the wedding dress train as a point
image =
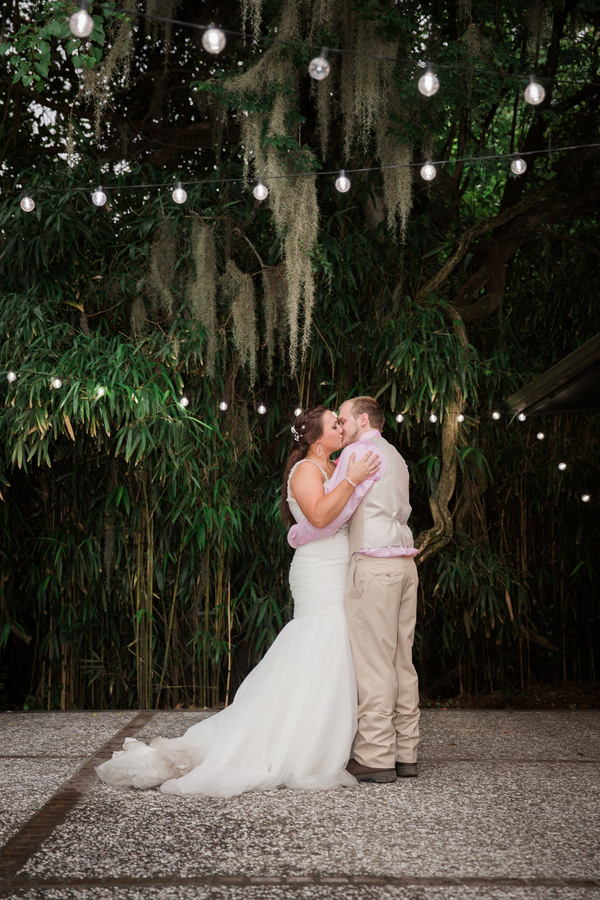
(293, 719)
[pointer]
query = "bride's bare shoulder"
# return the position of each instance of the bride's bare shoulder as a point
(304, 475)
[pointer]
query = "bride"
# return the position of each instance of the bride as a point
(293, 719)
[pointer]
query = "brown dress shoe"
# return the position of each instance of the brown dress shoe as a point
(406, 770)
(365, 773)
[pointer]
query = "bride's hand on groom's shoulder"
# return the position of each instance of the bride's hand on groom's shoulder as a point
(361, 469)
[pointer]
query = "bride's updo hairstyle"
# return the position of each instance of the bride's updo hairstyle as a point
(307, 428)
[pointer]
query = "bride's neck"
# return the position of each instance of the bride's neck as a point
(322, 460)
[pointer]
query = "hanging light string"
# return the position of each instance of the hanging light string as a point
(261, 191)
(82, 25)
(56, 384)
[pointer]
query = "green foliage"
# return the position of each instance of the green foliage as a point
(31, 48)
(430, 363)
(142, 560)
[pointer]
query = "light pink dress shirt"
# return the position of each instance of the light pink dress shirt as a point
(304, 532)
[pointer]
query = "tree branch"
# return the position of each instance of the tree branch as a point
(431, 541)
(567, 239)
(477, 230)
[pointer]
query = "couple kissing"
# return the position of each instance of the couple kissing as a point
(335, 699)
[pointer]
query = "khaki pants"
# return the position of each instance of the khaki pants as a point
(381, 609)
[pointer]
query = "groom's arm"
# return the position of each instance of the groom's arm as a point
(304, 532)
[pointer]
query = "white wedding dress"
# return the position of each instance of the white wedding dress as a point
(293, 719)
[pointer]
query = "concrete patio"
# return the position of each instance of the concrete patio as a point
(506, 806)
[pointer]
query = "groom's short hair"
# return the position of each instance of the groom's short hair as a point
(371, 407)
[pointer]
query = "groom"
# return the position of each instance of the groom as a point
(381, 598)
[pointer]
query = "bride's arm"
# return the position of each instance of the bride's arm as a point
(307, 489)
(303, 532)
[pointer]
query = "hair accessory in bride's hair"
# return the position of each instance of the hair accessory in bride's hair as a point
(299, 432)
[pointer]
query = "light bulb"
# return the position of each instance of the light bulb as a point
(428, 172)
(562, 466)
(319, 67)
(342, 183)
(585, 498)
(98, 197)
(184, 402)
(522, 417)
(178, 194)
(428, 83)
(81, 23)
(11, 377)
(540, 435)
(433, 417)
(261, 191)
(518, 165)
(27, 204)
(56, 383)
(534, 93)
(297, 412)
(100, 392)
(399, 418)
(495, 415)
(460, 418)
(223, 405)
(213, 40)
(262, 409)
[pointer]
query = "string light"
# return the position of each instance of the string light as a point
(428, 84)
(57, 383)
(81, 23)
(268, 39)
(534, 93)
(178, 194)
(428, 172)
(98, 197)
(261, 191)
(342, 183)
(319, 67)
(27, 204)
(518, 166)
(214, 40)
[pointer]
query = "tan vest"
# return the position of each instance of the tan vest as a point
(381, 518)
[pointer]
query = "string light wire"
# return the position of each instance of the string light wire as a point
(340, 50)
(336, 172)
(56, 383)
